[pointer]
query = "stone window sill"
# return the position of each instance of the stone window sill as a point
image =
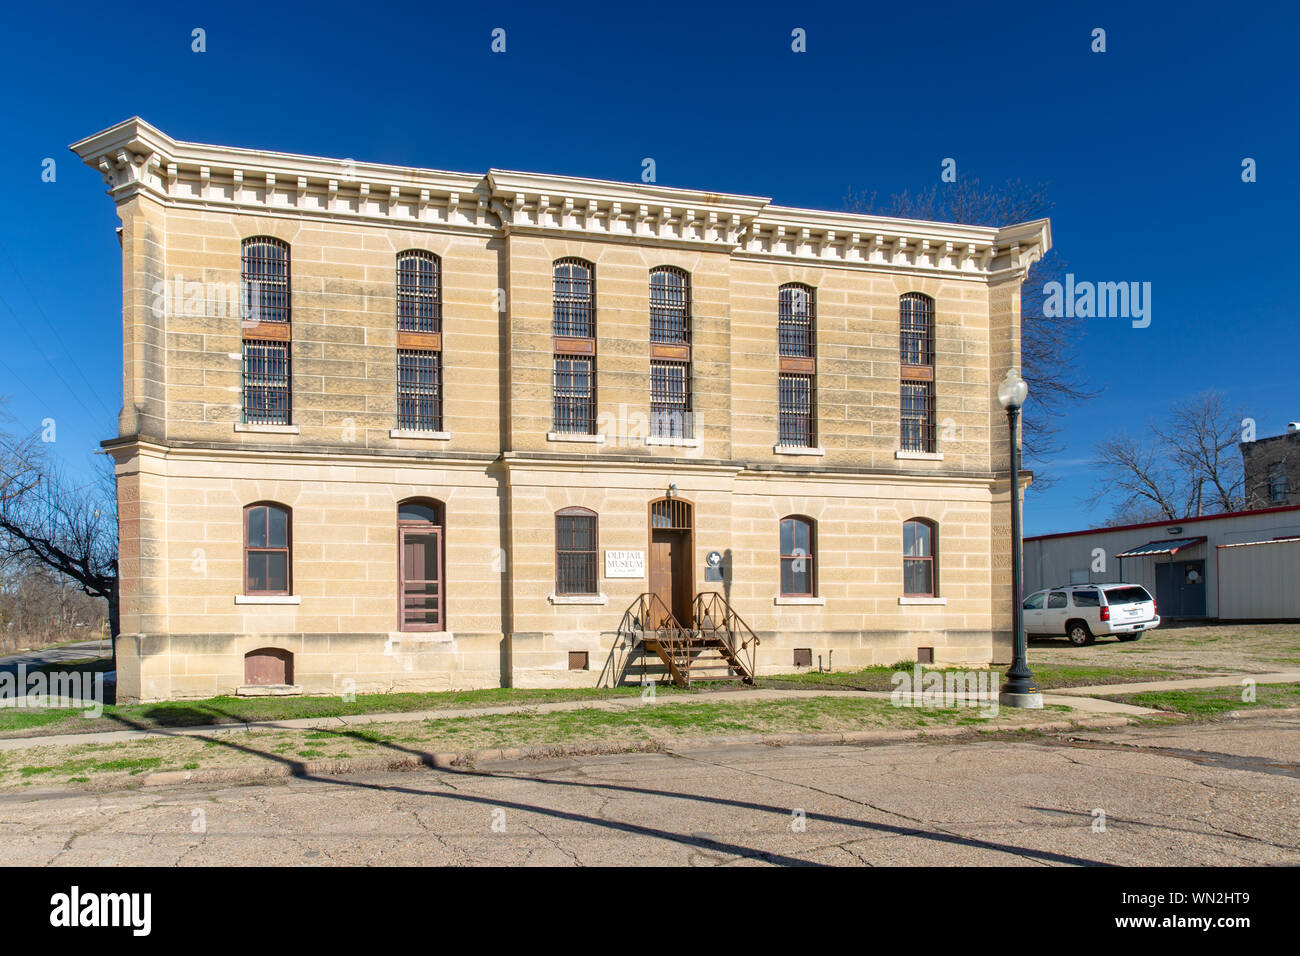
(268, 690)
(800, 601)
(797, 450)
(598, 439)
(268, 429)
(268, 598)
(411, 433)
(673, 442)
(930, 601)
(919, 455)
(577, 598)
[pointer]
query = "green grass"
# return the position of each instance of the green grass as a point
(1213, 701)
(649, 725)
(1048, 676)
(18, 722)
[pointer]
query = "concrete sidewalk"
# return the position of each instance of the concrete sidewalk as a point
(1226, 680)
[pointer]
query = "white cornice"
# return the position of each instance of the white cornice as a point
(134, 157)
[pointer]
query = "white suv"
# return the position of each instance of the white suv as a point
(1083, 612)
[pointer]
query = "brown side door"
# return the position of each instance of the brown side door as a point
(421, 579)
(661, 571)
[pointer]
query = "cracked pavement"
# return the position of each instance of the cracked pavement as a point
(1199, 794)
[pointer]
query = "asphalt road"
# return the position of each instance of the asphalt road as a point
(1226, 793)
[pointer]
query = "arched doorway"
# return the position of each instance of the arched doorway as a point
(420, 587)
(672, 561)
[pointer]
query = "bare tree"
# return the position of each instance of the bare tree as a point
(50, 521)
(1049, 361)
(1184, 465)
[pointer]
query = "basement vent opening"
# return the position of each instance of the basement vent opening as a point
(577, 660)
(803, 657)
(925, 655)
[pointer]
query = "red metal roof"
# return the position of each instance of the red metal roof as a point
(1164, 524)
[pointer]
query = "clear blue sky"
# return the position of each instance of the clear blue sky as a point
(1142, 145)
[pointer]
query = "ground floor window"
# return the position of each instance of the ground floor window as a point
(797, 578)
(575, 551)
(920, 541)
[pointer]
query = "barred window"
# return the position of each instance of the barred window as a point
(266, 383)
(264, 280)
(916, 329)
(797, 318)
(920, 544)
(797, 540)
(266, 549)
(575, 551)
(917, 416)
(419, 291)
(575, 394)
(575, 298)
(670, 306)
(670, 400)
(798, 426)
(419, 390)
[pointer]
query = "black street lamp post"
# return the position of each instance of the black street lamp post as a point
(1020, 689)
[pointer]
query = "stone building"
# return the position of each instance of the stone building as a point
(1272, 469)
(395, 428)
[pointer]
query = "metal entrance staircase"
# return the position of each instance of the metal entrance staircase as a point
(719, 646)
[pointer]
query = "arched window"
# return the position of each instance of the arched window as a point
(264, 280)
(267, 549)
(916, 358)
(575, 298)
(796, 320)
(573, 381)
(576, 541)
(421, 597)
(916, 329)
(419, 291)
(670, 306)
(797, 376)
(920, 548)
(798, 543)
(670, 356)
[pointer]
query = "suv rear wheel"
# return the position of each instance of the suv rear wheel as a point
(1078, 633)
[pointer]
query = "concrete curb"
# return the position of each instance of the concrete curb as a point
(473, 758)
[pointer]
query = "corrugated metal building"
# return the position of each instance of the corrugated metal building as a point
(1249, 576)
(1180, 563)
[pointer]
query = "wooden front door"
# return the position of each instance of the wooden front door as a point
(672, 541)
(421, 582)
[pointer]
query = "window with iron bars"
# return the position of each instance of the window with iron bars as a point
(575, 298)
(796, 319)
(419, 390)
(1278, 488)
(419, 291)
(670, 400)
(670, 306)
(264, 280)
(916, 329)
(917, 416)
(266, 383)
(575, 552)
(798, 423)
(574, 391)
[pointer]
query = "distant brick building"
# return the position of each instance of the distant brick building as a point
(1272, 467)
(394, 428)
